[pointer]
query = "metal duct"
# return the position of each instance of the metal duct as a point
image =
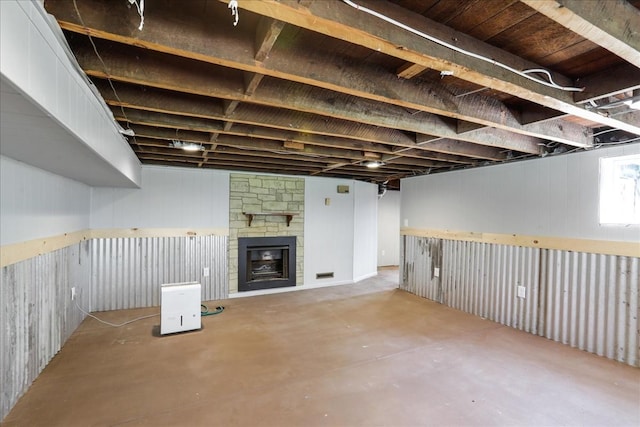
(128, 272)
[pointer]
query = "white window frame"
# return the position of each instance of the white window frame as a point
(620, 190)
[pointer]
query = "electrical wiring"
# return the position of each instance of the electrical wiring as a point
(104, 66)
(203, 313)
(118, 325)
(140, 7)
(524, 73)
(233, 5)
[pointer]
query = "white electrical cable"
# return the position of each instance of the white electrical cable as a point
(140, 7)
(113, 324)
(233, 5)
(524, 73)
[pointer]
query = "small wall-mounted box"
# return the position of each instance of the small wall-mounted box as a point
(343, 189)
(180, 307)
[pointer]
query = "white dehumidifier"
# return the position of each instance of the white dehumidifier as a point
(180, 307)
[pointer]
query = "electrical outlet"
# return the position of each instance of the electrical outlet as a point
(383, 252)
(522, 292)
(436, 272)
(73, 293)
(205, 272)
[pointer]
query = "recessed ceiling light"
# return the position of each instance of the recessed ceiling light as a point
(373, 164)
(186, 146)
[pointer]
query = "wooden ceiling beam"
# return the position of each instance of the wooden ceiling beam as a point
(611, 82)
(371, 83)
(256, 144)
(339, 20)
(186, 124)
(449, 146)
(539, 114)
(150, 99)
(194, 78)
(409, 70)
(240, 164)
(613, 25)
(266, 35)
(491, 137)
(195, 130)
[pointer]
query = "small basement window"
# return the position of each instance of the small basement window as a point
(620, 190)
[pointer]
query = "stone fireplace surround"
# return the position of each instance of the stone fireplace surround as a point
(266, 262)
(265, 193)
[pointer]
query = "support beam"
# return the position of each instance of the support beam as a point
(320, 70)
(623, 78)
(194, 79)
(251, 83)
(266, 35)
(613, 24)
(289, 122)
(449, 146)
(409, 70)
(339, 20)
(190, 129)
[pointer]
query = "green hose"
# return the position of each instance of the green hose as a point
(204, 310)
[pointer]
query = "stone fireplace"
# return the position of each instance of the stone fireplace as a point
(265, 206)
(266, 262)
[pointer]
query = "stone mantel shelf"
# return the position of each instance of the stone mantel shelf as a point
(288, 215)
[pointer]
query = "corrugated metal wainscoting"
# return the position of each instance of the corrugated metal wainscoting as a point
(37, 314)
(588, 301)
(128, 272)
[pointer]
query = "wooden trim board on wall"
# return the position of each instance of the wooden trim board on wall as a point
(606, 247)
(16, 252)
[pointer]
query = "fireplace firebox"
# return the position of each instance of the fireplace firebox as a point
(266, 262)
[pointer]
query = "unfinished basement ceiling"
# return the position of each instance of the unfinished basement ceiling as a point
(323, 87)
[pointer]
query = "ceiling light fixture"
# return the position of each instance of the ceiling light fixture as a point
(186, 146)
(373, 164)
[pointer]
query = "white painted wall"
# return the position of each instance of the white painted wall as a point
(328, 231)
(389, 229)
(555, 196)
(365, 231)
(36, 204)
(169, 197)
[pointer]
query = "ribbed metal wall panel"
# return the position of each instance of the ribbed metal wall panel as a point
(588, 301)
(591, 303)
(483, 279)
(37, 314)
(419, 256)
(128, 272)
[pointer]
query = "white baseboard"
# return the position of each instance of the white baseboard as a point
(365, 276)
(288, 289)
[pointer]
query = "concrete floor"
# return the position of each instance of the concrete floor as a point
(360, 355)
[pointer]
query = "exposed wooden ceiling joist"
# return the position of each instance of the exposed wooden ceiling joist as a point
(163, 73)
(293, 65)
(614, 25)
(345, 22)
(313, 87)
